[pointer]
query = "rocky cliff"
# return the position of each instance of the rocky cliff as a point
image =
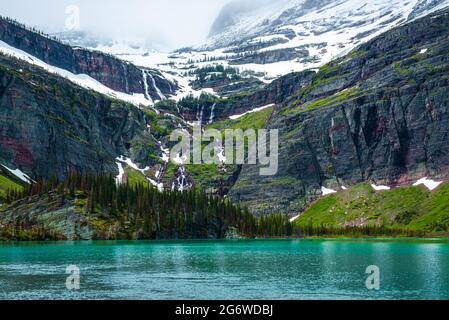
(49, 126)
(209, 107)
(379, 114)
(107, 69)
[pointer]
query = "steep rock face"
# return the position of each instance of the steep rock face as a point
(272, 56)
(380, 114)
(222, 109)
(48, 126)
(110, 71)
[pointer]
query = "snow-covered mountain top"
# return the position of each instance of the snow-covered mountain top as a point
(270, 38)
(317, 16)
(245, 12)
(293, 35)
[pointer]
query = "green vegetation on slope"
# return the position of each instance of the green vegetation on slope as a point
(213, 73)
(135, 177)
(131, 211)
(95, 207)
(412, 208)
(7, 184)
(210, 177)
(255, 120)
(333, 100)
(213, 177)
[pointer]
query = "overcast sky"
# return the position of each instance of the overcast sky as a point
(172, 23)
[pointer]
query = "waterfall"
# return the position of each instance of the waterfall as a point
(211, 119)
(145, 84)
(199, 114)
(125, 71)
(181, 182)
(158, 91)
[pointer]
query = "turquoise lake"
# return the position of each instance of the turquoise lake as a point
(197, 270)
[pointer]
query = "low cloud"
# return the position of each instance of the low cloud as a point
(168, 23)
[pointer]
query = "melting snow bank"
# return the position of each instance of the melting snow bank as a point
(159, 186)
(380, 188)
(165, 153)
(251, 111)
(430, 184)
(295, 218)
(19, 174)
(185, 89)
(327, 191)
(221, 156)
(180, 160)
(130, 163)
(82, 80)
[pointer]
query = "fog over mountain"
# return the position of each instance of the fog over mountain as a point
(233, 9)
(166, 24)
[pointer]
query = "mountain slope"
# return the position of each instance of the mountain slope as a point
(379, 114)
(48, 126)
(281, 36)
(412, 207)
(108, 70)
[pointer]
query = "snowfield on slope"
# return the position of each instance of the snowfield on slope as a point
(81, 80)
(326, 33)
(19, 174)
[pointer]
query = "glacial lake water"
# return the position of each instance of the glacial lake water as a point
(197, 270)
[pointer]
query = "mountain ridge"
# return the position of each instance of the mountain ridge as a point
(112, 72)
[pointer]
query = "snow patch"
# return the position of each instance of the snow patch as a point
(423, 51)
(158, 185)
(380, 188)
(429, 184)
(19, 174)
(130, 163)
(180, 160)
(81, 80)
(327, 191)
(295, 218)
(251, 111)
(221, 156)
